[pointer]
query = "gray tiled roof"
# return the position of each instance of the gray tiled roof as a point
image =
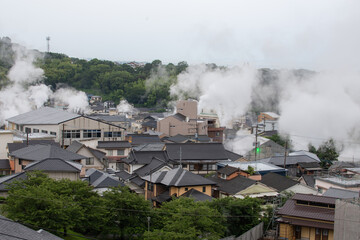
(197, 196)
(228, 170)
(106, 181)
(40, 152)
(93, 174)
(10, 230)
(235, 185)
(16, 146)
(154, 165)
(113, 144)
(277, 181)
(196, 151)
(97, 153)
(139, 139)
(54, 165)
(45, 115)
(149, 147)
(9, 179)
(232, 156)
(290, 160)
(74, 147)
(341, 193)
(145, 157)
(178, 177)
(123, 175)
(4, 164)
(309, 180)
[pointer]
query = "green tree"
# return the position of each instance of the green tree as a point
(327, 152)
(58, 205)
(241, 214)
(126, 213)
(184, 218)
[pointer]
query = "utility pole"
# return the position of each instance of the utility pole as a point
(256, 142)
(286, 146)
(264, 124)
(180, 158)
(148, 219)
(63, 131)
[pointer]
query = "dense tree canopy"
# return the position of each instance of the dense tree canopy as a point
(327, 152)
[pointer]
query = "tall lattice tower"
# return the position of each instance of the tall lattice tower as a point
(48, 44)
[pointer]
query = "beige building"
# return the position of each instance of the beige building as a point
(6, 137)
(65, 126)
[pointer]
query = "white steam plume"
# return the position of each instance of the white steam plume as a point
(25, 91)
(77, 101)
(124, 107)
(226, 91)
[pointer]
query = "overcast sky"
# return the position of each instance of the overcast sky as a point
(266, 33)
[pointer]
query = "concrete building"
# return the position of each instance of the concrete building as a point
(347, 223)
(65, 126)
(6, 137)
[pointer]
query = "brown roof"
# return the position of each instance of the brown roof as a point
(306, 223)
(314, 198)
(304, 211)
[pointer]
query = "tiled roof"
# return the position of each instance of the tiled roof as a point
(11, 230)
(113, 144)
(232, 156)
(277, 181)
(196, 151)
(75, 146)
(341, 193)
(45, 115)
(306, 165)
(123, 175)
(9, 179)
(97, 153)
(154, 165)
(99, 179)
(145, 157)
(40, 152)
(179, 116)
(54, 165)
(139, 139)
(178, 177)
(290, 160)
(304, 211)
(197, 196)
(16, 146)
(314, 198)
(235, 185)
(309, 180)
(228, 170)
(150, 147)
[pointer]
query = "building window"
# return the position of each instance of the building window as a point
(204, 189)
(92, 133)
(191, 167)
(90, 161)
(107, 134)
(110, 152)
(44, 131)
(35, 130)
(186, 189)
(72, 134)
(120, 152)
(204, 167)
(150, 186)
(223, 176)
(184, 165)
(172, 126)
(27, 130)
(53, 133)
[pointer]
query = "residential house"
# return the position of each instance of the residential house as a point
(135, 182)
(148, 147)
(141, 139)
(162, 186)
(56, 168)
(200, 158)
(184, 122)
(308, 180)
(115, 151)
(215, 131)
(325, 183)
(95, 158)
(101, 181)
(347, 224)
(95, 99)
(11, 230)
(241, 187)
(4, 181)
(149, 123)
(136, 160)
(197, 195)
(20, 158)
(285, 184)
(307, 216)
(65, 126)
(186, 139)
(290, 162)
(308, 168)
(229, 173)
(259, 167)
